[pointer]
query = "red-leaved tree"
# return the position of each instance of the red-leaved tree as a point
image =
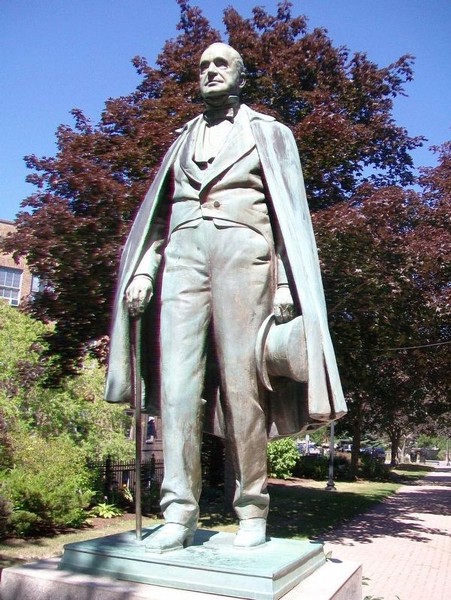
(338, 105)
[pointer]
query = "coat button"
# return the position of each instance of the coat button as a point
(216, 204)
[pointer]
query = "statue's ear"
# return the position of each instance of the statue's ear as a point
(242, 80)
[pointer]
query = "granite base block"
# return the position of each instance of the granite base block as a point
(43, 580)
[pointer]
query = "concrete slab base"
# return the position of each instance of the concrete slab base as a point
(43, 580)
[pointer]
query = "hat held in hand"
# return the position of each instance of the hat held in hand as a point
(281, 350)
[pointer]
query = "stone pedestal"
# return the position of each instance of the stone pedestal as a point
(118, 568)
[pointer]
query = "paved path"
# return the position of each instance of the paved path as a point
(404, 543)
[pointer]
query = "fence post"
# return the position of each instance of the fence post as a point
(108, 477)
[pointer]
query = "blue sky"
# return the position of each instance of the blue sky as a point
(60, 54)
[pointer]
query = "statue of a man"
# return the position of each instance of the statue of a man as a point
(223, 240)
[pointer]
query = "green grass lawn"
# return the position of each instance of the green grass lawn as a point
(299, 509)
(305, 509)
(307, 512)
(16, 551)
(409, 473)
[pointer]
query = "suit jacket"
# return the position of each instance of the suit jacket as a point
(293, 407)
(230, 188)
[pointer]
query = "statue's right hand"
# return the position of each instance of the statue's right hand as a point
(138, 294)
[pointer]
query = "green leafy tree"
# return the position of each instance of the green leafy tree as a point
(48, 434)
(21, 363)
(338, 105)
(74, 408)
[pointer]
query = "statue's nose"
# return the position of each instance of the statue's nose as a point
(212, 69)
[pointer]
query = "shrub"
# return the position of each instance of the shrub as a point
(74, 408)
(372, 469)
(317, 467)
(312, 467)
(342, 466)
(106, 511)
(49, 487)
(5, 515)
(282, 458)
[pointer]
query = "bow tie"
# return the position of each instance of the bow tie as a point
(215, 115)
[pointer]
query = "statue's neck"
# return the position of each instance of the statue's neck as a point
(226, 101)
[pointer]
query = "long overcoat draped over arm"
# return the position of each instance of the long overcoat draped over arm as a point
(292, 407)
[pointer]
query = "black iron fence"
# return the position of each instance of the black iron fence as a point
(116, 476)
(116, 479)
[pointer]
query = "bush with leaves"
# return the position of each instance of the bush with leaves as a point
(49, 487)
(106, 511)
(75, 407)
(312, 467)
(371, 468)
(21, 365)
(282, 458)
(5, 514)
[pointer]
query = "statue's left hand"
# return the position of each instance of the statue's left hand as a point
(283, 305)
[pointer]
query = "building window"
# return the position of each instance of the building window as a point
(10, 285)
(37, 284)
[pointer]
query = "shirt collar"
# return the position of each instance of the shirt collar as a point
(227, 110)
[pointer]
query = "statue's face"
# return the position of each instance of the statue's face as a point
(219, 72)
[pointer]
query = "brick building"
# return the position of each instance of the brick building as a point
(16, 280)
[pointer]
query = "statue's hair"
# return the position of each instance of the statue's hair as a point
(238, 60)
(240, 64)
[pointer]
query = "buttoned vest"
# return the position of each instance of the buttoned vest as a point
(230, 188)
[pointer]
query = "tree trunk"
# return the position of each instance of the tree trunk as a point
(356, 439)
(395, 437)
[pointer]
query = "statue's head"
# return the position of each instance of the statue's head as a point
(221, 72)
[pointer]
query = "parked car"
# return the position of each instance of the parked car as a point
(308, 449)
(314, 449)
(378, 453)
(344, 446)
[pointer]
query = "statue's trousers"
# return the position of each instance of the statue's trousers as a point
(218, 285)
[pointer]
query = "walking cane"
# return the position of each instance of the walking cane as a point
(135, 323)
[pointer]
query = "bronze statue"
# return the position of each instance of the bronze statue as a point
(222, 258)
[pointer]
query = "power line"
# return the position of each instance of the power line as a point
(406, 347)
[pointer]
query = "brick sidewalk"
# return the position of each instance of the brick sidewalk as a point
(404, 543)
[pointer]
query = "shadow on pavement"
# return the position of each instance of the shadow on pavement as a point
(401, 515)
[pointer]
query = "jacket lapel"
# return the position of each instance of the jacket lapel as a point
(187, 152)
(238, 143)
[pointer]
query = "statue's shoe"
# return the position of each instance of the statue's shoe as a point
(172, 536)
(252, 533)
